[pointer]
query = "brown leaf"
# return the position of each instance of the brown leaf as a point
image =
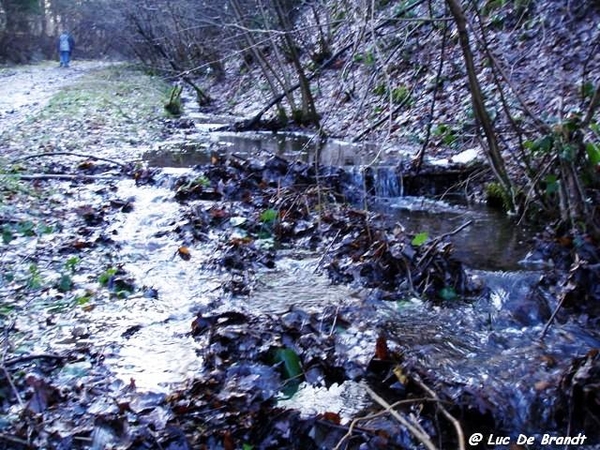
(228, 443)
(381, 349)
(331, 417)
(184, 253)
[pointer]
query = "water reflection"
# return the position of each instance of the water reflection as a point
(197, 148)
(492, 241)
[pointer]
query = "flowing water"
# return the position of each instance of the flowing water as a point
(489, 344)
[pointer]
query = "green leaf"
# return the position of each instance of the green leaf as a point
(567, 152)
(268, 216)
(291, 362)
(448, 293)
(202, 181)
(400, 94)
(105, 277)
(7, 234)
(5, 310)
(588, 89)
(71, 263)
(45, 229)
(542, 145)
(420, 239)
(65, 283)
(551, 184)
(35, 280)
(83, 299)
(26, 228)
(593, 152)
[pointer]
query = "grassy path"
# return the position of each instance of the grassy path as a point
(99, 108)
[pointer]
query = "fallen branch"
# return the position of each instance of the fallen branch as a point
(66, 176)
(20, 359)
(415, 429)
(80, 155)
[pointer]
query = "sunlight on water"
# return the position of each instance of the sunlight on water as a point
(147, 339)
(345, 399)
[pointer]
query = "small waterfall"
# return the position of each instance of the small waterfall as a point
(382, 181)
(386, 182)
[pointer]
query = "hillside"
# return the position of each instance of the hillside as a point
(535, 60)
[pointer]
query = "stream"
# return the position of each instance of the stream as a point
(489, 346)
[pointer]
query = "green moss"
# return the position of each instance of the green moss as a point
(401, 94)
(497, 197)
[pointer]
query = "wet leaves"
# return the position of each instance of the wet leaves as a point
(184, 253)
(278, 203)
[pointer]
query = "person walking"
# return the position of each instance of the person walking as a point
(65, 45)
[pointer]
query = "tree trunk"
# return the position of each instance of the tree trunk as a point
(308, 114)
(493, 153)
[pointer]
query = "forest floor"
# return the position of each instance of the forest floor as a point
(101, 256)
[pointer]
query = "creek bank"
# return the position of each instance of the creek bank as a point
(370, 256)
(236, 219)
(247, 212)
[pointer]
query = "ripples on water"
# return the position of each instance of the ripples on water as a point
(490, 344)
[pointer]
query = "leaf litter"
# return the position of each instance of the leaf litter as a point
(61, 261)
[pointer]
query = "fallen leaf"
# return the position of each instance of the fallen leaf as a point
(184, 253)
(381, 349)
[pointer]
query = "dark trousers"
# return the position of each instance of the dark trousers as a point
(65, 58)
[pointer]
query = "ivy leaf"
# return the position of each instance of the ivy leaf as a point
(291, 362)
(420, 239)
(593, 152)
(268, 216)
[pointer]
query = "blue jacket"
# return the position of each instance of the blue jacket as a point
(65, 43)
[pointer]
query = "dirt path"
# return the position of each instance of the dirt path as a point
(25, 90)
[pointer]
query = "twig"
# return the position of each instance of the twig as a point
(42, 155)
(14, 440)
(552, 317)
(327, 251)
(419, 434)
(5, 370)
(20, 359)
(459, 431)
(387, 117)
(569, 282)
(455, 231)
(352, 425)
(437, 240)
(418, 160)
(594, 103)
